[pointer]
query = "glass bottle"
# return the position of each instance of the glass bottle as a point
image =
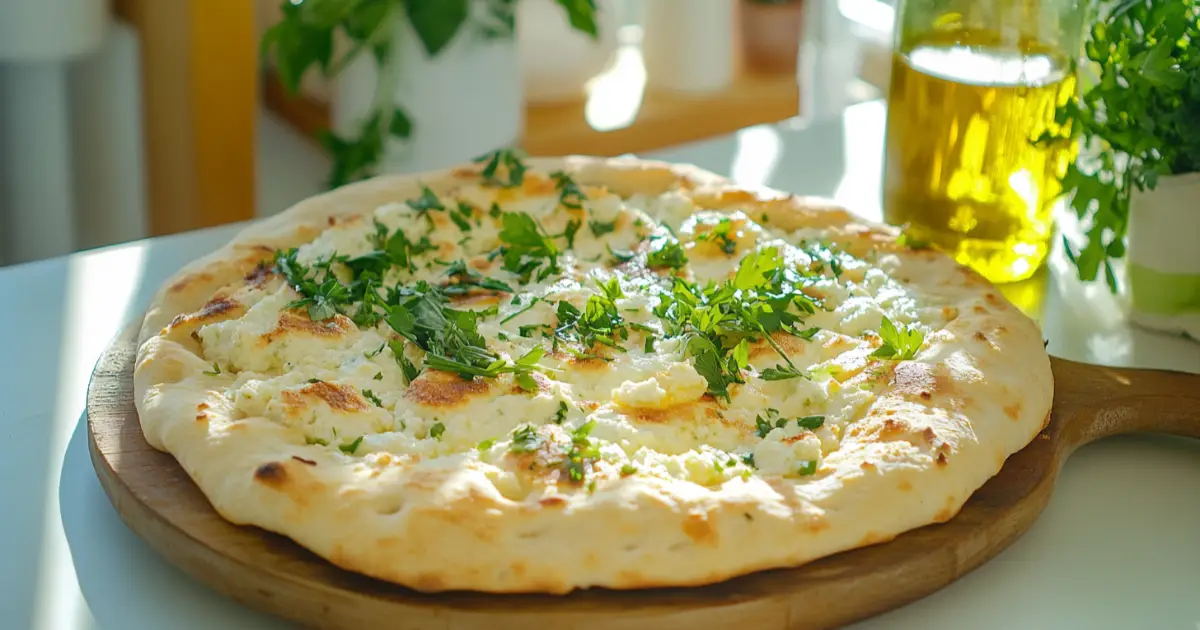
(974, 85)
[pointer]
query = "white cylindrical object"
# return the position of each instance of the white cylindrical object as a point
(690, 45)
(463, 103)
(557, 60)
(51, 30)
(1163, 266)
(35, 153)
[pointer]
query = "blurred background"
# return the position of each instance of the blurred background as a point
(134, 118)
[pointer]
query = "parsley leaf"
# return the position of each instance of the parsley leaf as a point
(719, 234)
(426, 202)
(600, 228)
(527, 247)
(582, 450)
(504, 168)
(371, 396)
(898, 344)
(437, 430)
(811, 422)
(525, 439)
(780, 373)
(463, 276)
(666, 252)
(351, 447)
(570, 195)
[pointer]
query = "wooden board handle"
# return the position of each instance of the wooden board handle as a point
(1098, 401)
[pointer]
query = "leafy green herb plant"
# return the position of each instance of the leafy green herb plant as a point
(1140, 116)
(303, 40)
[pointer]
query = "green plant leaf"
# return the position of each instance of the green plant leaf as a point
(437, 21)
(582, 15)
(401, 125)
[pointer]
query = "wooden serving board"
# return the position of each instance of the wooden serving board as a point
(161, 504)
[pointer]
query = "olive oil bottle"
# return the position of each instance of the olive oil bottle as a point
(963, 171)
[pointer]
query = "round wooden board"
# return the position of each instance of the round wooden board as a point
(160, 503)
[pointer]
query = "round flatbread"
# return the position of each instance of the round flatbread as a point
(548, 374)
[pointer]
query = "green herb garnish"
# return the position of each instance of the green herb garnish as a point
(525, 439)
(666, 252)
(582, 450)
(600, 228)
(503, 168)
(351, 447)
(437, 430)
(898, 344)
(371, 396)
(569, 193)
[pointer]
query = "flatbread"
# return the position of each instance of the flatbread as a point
(611, 461)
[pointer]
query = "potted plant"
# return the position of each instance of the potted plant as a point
(418, 84)
(771, 34)
(1137, 188)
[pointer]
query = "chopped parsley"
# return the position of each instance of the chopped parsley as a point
(719, 234)
(525, 439)
(216, 369)
(581, 451)
(898, 344)
(308, 439)
(451, 339)
(322, 298)
(437, 430)
(531, 304)
(569, 195)
(666, 253)
(351, 447)
(561, 414)
(503, 168)
(426, 202)
(371, 396)
(600, 228)
(463, 277)
(780, 373)
(484, 445)
(719, 321)
(599, 322)
(811, 423)
(807, 468)
(527, 247)
(461, 216)
(628, 469)
(763, 426)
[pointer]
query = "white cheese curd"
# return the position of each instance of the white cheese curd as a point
(642, 408)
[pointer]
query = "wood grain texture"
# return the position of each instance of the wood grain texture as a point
(199, 100)
(159, 502)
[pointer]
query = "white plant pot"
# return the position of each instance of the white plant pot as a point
(464, 102)
(1163, 264)
(691, 45)
(557, 61)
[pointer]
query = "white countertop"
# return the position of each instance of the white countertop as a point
(1118, 547)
